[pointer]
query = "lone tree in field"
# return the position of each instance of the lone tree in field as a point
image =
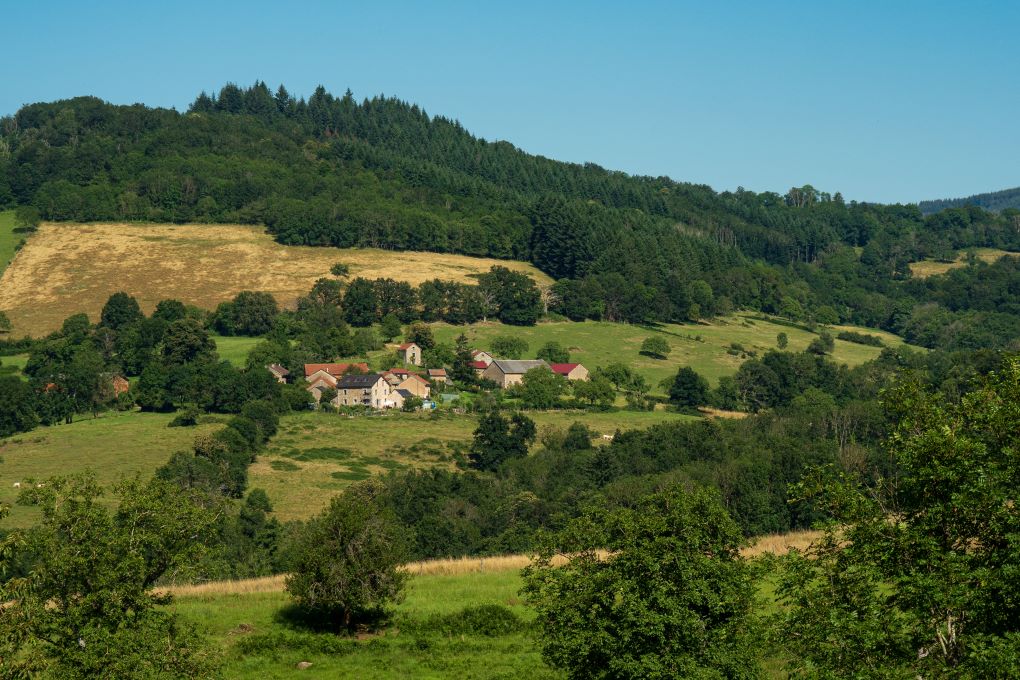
(345, 562)
(689, 390)
(782, 340)
(5, 323)
(508, 346)
(340, 270)
(916, 574)
(554, 353)
(672, 599)
(87, 608)
(655, 347)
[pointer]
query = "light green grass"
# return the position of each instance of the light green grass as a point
(8, 238)
(235, 349)
(316, 455)
(15, 363)
(227, 619)
(115, 445)
(597, 343)
(397, 652)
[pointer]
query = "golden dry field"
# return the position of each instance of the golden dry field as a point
(926, 268)
(70, 268)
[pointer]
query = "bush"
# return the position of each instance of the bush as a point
(489, 620)
(345, 561)
(860, 338)
(508, 347)
(186, 418)
(655, 346)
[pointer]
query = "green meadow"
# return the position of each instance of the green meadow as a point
(115, 445)
(315, 455)
(714, 349)
(9, 239)
(427, 638)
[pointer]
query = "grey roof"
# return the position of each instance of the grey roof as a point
(353, 382)
(519, 365)
(406, 394)
(278, 369)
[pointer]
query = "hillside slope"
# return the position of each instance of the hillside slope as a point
(203, 265)
(993, 201)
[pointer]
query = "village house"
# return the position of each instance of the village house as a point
(120, 385)
(279, 372)
(364, 390)
(478, 367)
(482, 356)
(570, 371)
(410, 353)
(438, 375)
(400, 379)
(507, 372)
(325, 376)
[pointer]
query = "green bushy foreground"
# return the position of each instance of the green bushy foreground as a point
(450, 626)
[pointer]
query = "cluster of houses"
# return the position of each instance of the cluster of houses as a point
(355, 385)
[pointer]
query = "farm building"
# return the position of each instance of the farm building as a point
(410, 353)
(279, 372)
(406, 380)
(335, 370)
(478, 367)
(482, 356)
(120, 385)
(364, 390)
(437, 375)
(507, 372)
(570, 371)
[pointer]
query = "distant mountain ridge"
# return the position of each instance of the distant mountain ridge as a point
(993, 201)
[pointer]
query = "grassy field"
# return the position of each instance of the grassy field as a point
(198, 264)
(703, 346)
(315, 455)
(926, 268)
(115, 445)
(249, 622)
(235, 349)
(8, 239)
(259, 640)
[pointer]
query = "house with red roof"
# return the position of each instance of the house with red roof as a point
(335, 370)
(482, 356)
(478, 366)
(410, 353)
(570, 371)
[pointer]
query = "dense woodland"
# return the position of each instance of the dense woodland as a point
(994, 201)
(381, 172)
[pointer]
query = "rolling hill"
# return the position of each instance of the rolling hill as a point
(993, 201)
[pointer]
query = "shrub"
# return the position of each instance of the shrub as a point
(860, 338)
(656, 347)
(345, 561)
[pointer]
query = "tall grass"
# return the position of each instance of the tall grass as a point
(777, 544)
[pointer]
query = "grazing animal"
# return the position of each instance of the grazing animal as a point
(608, 437)
(17, 485)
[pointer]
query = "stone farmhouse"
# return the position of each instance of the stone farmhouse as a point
(279, 372)
(570, 371)
(365, 390)
(507, 372)
(410, 353)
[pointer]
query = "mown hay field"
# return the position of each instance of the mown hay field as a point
(316, 455)
(70, 268)
(926, 268)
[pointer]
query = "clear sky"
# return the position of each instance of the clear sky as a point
(884, 101)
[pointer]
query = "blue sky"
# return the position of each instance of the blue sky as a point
(884, 101)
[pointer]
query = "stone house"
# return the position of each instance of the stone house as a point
(279, 372)
(570, 371)
(364, 390)
(507, 372)
(410, 353)
(438, 375)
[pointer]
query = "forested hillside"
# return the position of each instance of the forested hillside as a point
(994, 201)
(381, 172)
